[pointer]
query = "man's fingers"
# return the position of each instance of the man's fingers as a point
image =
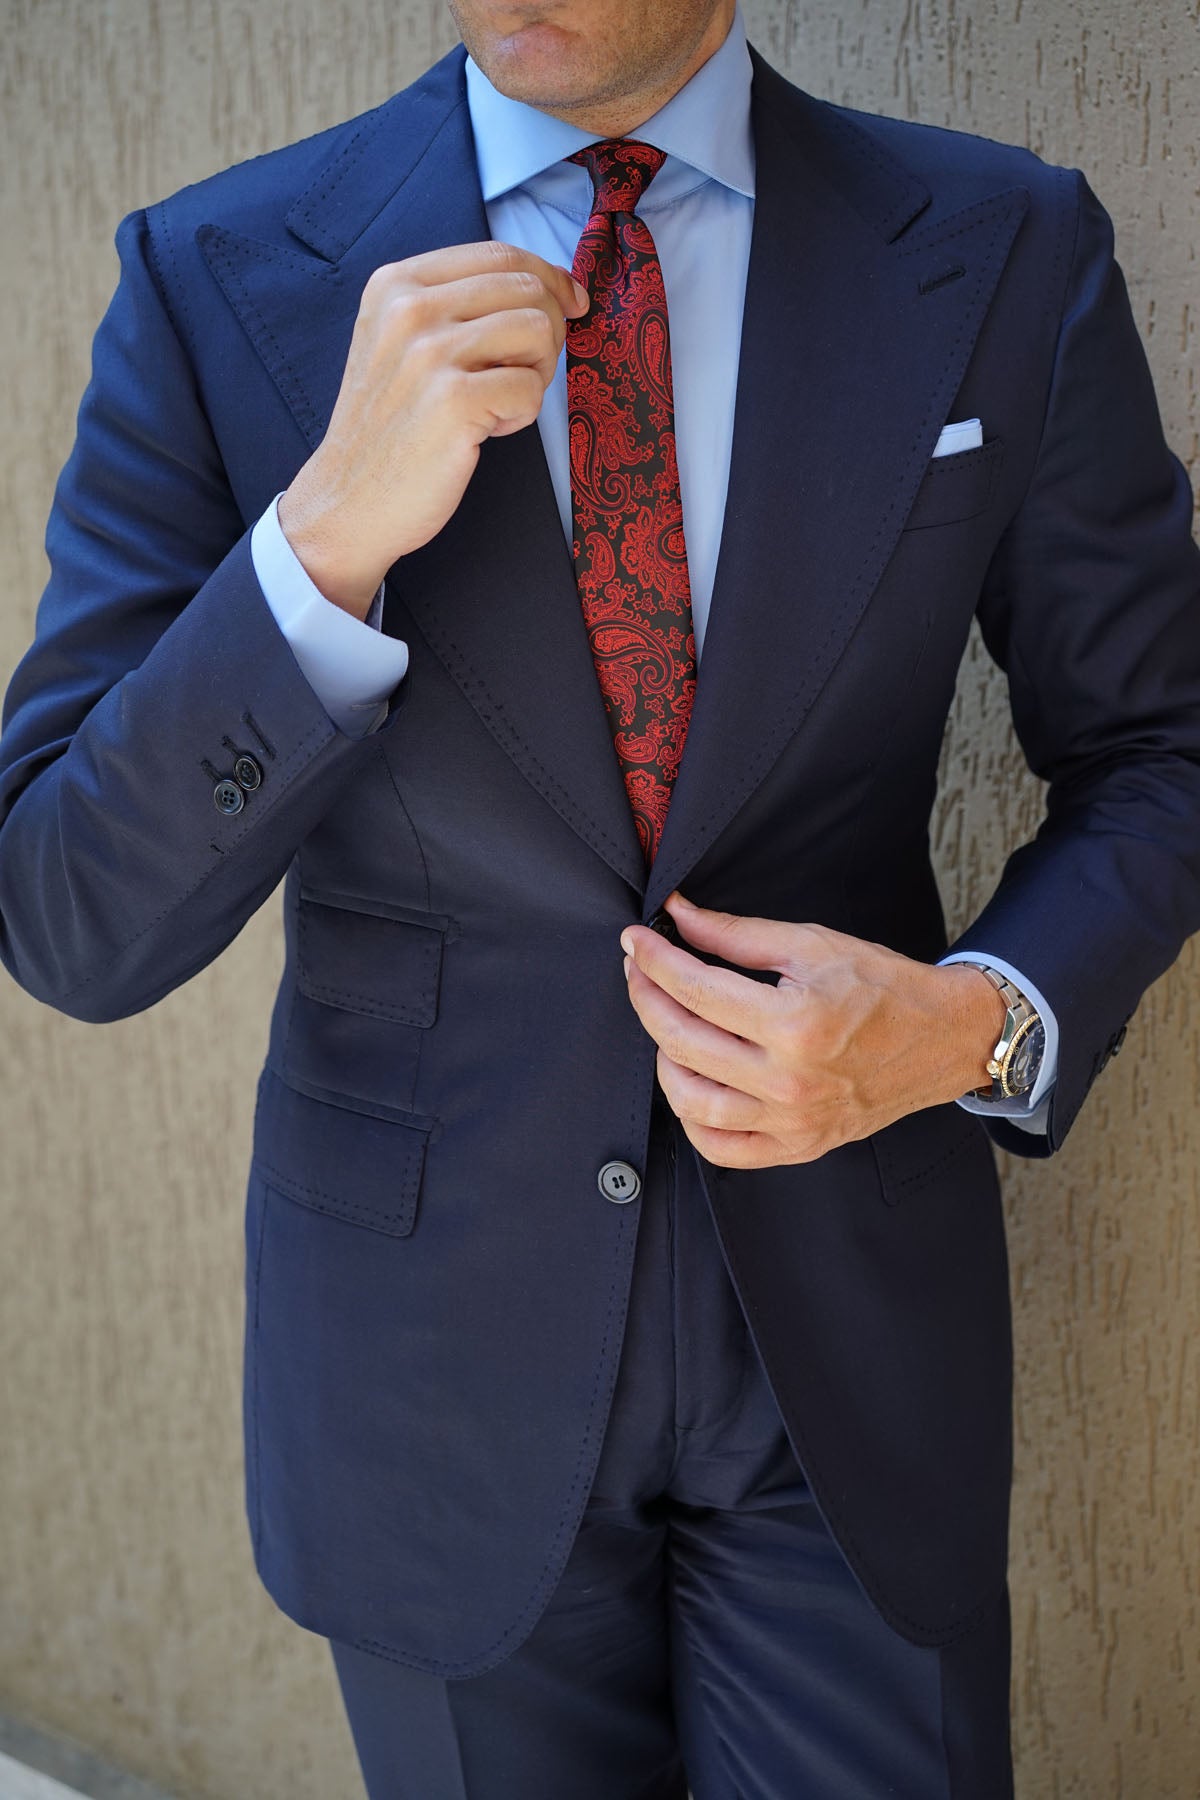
(692, 1041)
(752, 943)
(505, 399)
(698, 1101)
(485, 260)
(734, 1149)
(516, 336)
(722, 996)
(489, 300)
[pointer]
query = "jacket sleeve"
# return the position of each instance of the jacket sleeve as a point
(156, 664)
(1092, 608)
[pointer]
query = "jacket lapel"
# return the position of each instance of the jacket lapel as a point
(847, 370)
(493, 593)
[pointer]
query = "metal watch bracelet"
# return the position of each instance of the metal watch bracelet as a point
(1016, 1059)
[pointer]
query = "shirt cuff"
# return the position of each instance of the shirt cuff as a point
(1028, 1111)
(351, 666)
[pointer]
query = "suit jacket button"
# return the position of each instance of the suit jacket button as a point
(247, 773)
(619, 1182)
(228, 797)
(664, 924)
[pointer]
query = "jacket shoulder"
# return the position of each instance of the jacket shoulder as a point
(959, 168)
(902, 174)
(252, 197)
(940, 155)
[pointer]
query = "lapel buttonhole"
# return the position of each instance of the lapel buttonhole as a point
(942, 278)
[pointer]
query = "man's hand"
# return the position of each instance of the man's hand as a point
(853, 1037)
(449, 348)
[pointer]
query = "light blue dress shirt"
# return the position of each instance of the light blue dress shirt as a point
(699, 208)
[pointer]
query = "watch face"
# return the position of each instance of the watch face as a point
(1024, 1058)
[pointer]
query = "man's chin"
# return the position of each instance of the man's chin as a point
(539, 65)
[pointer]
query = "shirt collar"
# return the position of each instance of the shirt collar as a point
(704, 129)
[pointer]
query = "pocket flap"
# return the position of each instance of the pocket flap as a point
(339, 1155)
(367, 957)
(956, 487)
(913, 1150)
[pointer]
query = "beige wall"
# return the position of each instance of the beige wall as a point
(130, 1615)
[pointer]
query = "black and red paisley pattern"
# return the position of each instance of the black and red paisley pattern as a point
(630, 559)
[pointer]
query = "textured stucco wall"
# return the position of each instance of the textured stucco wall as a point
(130, 1614)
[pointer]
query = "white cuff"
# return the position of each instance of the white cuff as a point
(350, 665)
(1030, 1111)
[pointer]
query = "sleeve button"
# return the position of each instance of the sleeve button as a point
(247, 773)
(228, 797)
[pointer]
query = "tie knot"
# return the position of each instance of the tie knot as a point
(621, 170)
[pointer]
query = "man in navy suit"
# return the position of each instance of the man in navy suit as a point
(627, 1378)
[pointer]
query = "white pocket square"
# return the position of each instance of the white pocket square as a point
(966, 435)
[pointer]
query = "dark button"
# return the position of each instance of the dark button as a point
(619, 1182)
(1115, 1046)
(228, 797)
(247, 773)
(664, 924)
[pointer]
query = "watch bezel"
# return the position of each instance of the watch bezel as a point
(1018, 1044)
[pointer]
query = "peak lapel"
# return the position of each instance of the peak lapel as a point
(493, 593)
(846, 373)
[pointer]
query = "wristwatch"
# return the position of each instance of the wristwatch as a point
(1016, 1061)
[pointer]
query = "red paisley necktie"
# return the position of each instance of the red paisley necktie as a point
(630, 560)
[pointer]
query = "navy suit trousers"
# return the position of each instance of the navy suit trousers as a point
(706, 1632)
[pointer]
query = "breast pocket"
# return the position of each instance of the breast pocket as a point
(956, 487)
(367, 957)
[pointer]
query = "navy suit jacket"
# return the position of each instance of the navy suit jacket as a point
(435, 1285)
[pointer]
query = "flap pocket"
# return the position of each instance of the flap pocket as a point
(957, 486)
(339, 1155)
(914, 1150)
(367, 957)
